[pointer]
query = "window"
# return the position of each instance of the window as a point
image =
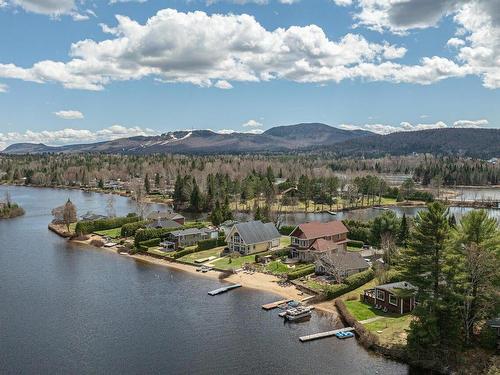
(380, 295)
(393, 300)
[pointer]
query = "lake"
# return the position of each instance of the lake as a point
(74, 309)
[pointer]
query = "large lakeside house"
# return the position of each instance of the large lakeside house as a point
(314, 240)
(253, 237)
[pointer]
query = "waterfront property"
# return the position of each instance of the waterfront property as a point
(341, 264)
(186, 237)
(167, 215)
(314, 240)
(163, 223)
(253, 237)
(90, 216)
(396, 297)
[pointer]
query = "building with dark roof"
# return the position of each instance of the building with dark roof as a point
(167, 215)
(341, 263)
(253, 237)
(163, 223)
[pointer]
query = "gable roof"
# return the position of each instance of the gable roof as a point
(316, 229)
(393, 287)
(321, 244)
(346, 261)
(187, 232)
(253, 232)
(157, 215)
(163, 223)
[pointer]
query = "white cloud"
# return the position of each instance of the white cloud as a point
(213, 50)
(407, 126)
(48, 7)
(69, 115)
(223, 85)
(70, 136)
(252, 124)
(3, 87)
(478, 25)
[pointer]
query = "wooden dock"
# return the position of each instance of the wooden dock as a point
(273, 305)
(224, 289)
(322, 335)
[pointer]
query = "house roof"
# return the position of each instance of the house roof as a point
(345, 260)
(494, 323)
(321, 244)
(187, 232)
(316, 229)
(163, 223)
(164, 215)
(253, 232)
(395, 288)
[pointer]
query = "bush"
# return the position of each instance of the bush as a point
(149, 243)
(302, 272)
(285, 230)
(142, 235)
(350, 283)
(181, 253)
(87, 227)
(128, 230)
(211, 243)
(355, 243)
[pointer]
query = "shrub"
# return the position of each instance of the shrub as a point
(97, 243)
(211, 243)
(142, 235)
(87, 227)
(129, 229)
(181, 253)
(150, 243)
(301, 272)
(355, 243)
(285, 230)
(350, 283)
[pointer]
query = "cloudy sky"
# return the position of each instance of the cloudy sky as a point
(89, 70)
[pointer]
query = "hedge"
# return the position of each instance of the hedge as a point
(355, 243)
(142, 235)
(302, 272)
(87, 227)
(149, 243)
(350, 283)
(181, 253)
(286, 230)
(128, 230)
(211, 243)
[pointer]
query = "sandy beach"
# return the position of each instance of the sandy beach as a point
(257, 281)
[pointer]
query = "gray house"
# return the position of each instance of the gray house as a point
(253, 237)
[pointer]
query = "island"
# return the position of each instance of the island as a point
(9, 209)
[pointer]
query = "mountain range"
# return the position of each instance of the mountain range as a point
(313, 137)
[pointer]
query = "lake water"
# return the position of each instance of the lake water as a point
(72, 309)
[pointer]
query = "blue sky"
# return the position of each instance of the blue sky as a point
(72, 71)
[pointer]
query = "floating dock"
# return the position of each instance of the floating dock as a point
(322, 335)
(274, 305)
(224, 289)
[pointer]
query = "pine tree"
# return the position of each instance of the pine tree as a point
(195, 199)
(404, 231)
(147, 185)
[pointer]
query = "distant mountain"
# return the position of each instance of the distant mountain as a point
(278, 139)
(482, 143)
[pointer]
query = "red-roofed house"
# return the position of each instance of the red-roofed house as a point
(311, 240)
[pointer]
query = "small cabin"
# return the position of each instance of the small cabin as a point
(396, 298)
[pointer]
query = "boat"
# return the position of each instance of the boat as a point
(332, 213)
(344, 335)
(298, 313)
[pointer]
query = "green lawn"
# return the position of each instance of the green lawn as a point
(112, 233)
(157, 251)
(314, 285)
(363, 311)
(278, 268)
(285, 241)
(354, 249)
(391, 330)
(360, 290)
(191, 258)
(228, 263)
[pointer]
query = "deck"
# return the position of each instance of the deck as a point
(322, 335)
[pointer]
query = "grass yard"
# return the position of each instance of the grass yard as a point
(391, 330)
(112, 233)
(228, 263)
(158, 251)
(191, 258)
(354, 249)
(363, 311)
(285, 241)
(360, 290)
(314, 285)
(278, 268)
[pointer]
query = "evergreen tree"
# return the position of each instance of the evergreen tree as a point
(195, 200)
(147, 185)
(157, 180)
(404, 231)
(216, 216)
(387, 223)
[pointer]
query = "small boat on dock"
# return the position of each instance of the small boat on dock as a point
(224, 289)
